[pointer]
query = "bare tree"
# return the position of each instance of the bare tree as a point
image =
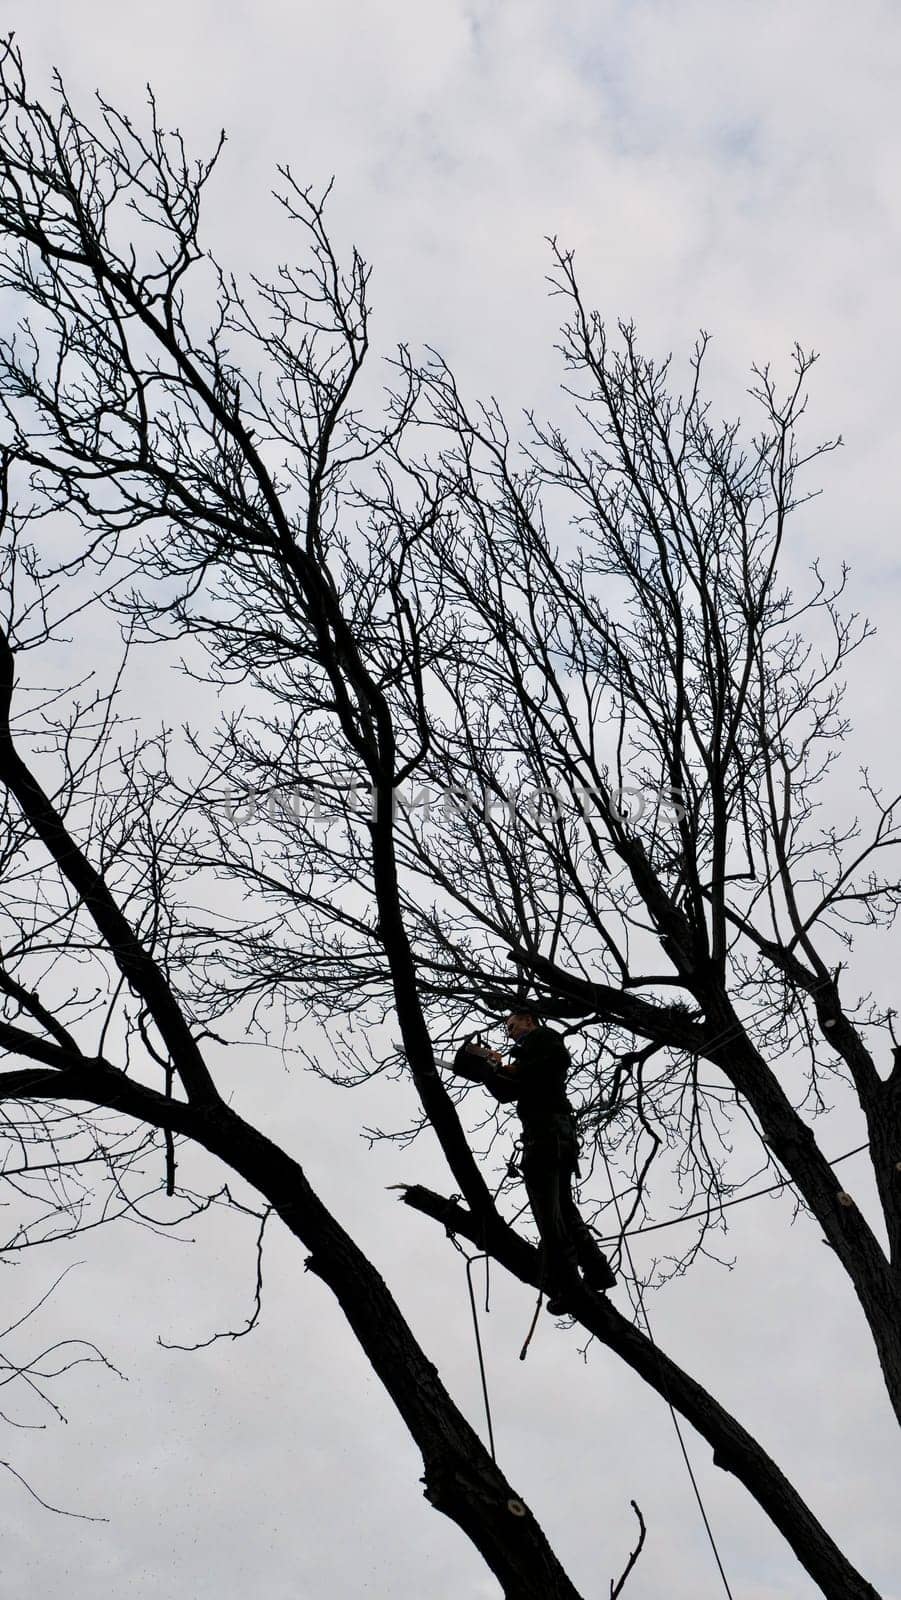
(379, 604)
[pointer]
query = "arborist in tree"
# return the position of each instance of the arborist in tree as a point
(535, 1077)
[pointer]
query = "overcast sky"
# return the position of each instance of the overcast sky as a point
(732, 168)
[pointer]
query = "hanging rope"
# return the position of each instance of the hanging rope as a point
(672, 1410)
(475, 1323)
(470, 1263)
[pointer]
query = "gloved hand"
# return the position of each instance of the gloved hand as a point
(483, 1050)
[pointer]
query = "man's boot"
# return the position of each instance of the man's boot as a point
(562, 1291)
(557, 1304)
(598, 1274)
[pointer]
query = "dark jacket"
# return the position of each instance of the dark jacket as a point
(538, 1084)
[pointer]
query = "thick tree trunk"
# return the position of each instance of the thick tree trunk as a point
(460, 1478)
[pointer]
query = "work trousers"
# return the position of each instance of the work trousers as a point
(549, 1164)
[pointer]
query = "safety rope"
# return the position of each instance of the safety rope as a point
(470, 1261)
(481, 1255)
(666, 1394)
